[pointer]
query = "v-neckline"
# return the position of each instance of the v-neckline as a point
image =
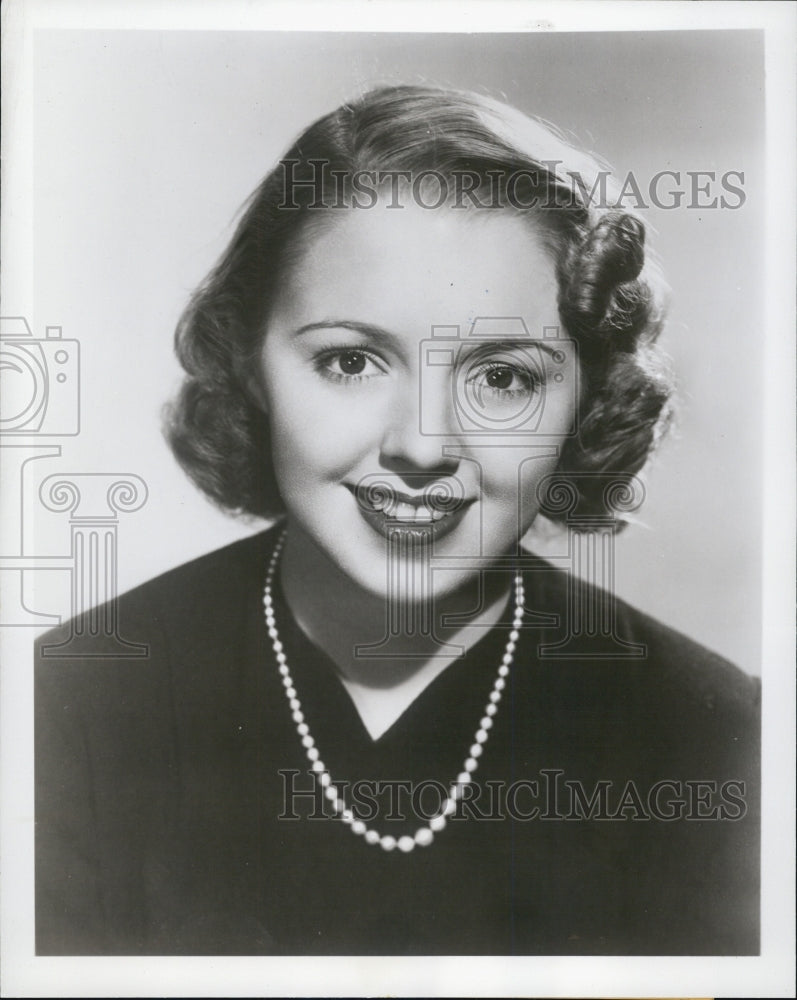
(320, 687)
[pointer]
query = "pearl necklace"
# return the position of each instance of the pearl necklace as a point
(425, 834)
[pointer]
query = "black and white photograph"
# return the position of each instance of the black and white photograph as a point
(398, 504)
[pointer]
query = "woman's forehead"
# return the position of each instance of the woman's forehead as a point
(421, 267)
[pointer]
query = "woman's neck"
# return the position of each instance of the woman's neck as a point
(383, 669)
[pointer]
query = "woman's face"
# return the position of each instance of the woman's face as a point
(396, 354)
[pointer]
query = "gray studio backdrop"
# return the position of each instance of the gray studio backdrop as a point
(147, 143)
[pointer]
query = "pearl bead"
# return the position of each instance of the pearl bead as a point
(476, 750)
(291, 692)
(437, 824)
(450, 806)
(514, 635)
(324, 778)
(500, 684)
(424, 836)
(318, 765)
(312, 753)
(372, 836)
(503, 670)
(287, 682)
(284, 670)
(387, 842)
(463, 778)
(486, 722)
(510, 647)
(481, 736)
(406, 844)
(330, 791)
(490, 709)
(471, 764)
(495, 697)
(277, 646)
(358, 827)
(347, 816)
(301, 725)
(308, 741)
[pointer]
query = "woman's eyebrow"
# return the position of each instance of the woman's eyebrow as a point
(377, 333)
(515, 342)
(477, 345)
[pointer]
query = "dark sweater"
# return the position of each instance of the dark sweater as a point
(165, 787)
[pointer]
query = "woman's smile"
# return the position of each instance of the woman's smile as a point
(391, 418)
(392, 513)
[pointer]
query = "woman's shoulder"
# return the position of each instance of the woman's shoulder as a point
(595, 627)
(193, 597)
(640, 699)
(186, 634)
(211, 580)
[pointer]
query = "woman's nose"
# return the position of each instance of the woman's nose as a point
(421, 425)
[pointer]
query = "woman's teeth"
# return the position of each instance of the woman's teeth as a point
(409, 513)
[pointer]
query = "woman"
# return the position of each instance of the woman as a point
(381, 726)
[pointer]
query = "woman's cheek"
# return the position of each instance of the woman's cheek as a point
(312, 442)
(509, 481)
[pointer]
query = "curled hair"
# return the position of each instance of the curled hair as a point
(610, 297)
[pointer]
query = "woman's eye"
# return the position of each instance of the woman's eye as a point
(504, 380)
(348, 365)
(352, 362)
(500, 378)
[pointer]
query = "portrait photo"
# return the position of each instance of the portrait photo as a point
(396, 501)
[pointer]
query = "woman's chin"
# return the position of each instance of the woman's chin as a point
(405, 565)
(410, 583)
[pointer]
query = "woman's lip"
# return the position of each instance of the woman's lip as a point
(405, 516)
(433, 504)
(391, 527)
